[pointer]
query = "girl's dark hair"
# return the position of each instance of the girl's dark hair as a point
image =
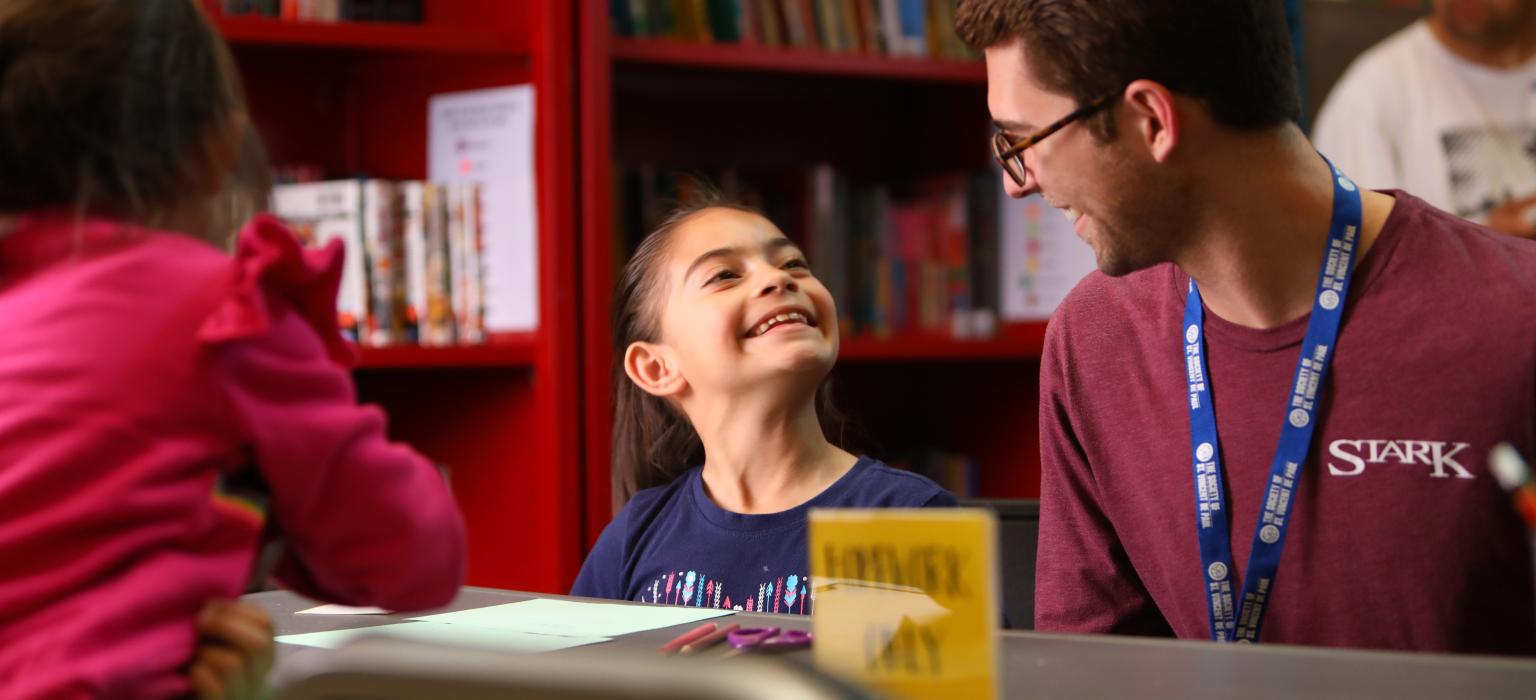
(110, 106)
(653, 442)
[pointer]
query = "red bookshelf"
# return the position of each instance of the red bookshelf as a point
(770, 59)
(373, 36)
(351, 99)
(1022, 341)
(512, 350)
(702, 106)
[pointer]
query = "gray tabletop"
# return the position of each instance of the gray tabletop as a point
(1039, 665)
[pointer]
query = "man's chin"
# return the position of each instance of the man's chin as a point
(1115, 265)
(1116, 270)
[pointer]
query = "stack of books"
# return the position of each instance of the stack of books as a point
(414, 272)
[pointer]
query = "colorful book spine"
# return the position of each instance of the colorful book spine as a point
(383, 244)
(914, 27)
(890, 27)
(438, 327)
(771, 23)
(640, 18)
(414, 238)
(469, 307)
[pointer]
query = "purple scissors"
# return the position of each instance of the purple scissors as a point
(768, 639)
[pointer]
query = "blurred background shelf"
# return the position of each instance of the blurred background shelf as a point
(802, 122)
(796, 60)
(1019, 342)
(515, 350)
(383, 37)
(349, 99)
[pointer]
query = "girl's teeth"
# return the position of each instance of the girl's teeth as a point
(776, 320)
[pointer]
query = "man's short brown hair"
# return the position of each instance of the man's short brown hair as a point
(1234, 55)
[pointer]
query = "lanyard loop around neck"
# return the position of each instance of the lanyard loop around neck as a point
(1230, 619)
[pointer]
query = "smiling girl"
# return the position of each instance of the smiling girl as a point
(724, 340)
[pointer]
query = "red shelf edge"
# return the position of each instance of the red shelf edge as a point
(384, 36)
(796, 60)
(1017, 342)
(501, 351)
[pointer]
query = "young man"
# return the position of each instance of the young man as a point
(1446, 109)
(1383, 345)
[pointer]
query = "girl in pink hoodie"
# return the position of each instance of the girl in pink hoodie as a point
(144, 370)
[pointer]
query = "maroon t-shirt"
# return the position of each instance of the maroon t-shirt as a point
(1400, 537)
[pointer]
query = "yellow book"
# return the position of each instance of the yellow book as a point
(906, 599)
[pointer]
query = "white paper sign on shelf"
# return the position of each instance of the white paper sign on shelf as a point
(1042, 258)
(487, 136)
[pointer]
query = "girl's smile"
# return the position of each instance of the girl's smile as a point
(786, 318)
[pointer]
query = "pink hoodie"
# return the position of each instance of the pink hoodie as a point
(135, 367)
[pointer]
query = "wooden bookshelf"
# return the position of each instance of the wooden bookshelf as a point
(351, 99)
(707, 105)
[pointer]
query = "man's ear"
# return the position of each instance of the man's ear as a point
(651, 367)
(1155, 118)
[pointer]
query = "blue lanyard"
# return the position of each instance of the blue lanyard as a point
(1230, 622)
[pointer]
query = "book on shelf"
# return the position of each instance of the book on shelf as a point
(955, 472)
(436, 327)
(405, 11)
(413, 271)
(920, 28)
(465, 272)
(413, 248)
(321, 212)
(913, 257)
(486, 136)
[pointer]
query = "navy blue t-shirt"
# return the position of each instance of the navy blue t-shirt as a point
(672, 545)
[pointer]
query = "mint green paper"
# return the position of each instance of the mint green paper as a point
(570, 618)
(446, 634)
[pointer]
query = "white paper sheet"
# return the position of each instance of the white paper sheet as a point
(569, 617)
(333, 609)
(446, 634)
(1042, 258)
(487, 136)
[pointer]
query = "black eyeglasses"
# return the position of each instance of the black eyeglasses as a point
(1010, 154)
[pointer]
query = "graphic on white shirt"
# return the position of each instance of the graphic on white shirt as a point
(1409, 114)
(1486, 165)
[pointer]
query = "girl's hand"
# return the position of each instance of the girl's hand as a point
(234, 651)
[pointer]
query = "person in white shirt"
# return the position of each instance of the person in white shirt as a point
(1446, 109)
